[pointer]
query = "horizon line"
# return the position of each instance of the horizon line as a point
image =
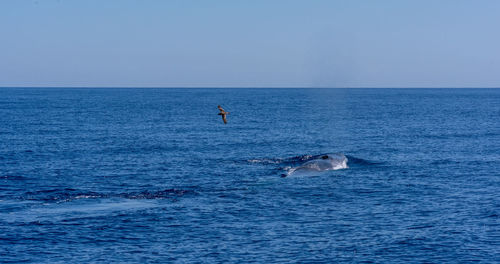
(248, 87)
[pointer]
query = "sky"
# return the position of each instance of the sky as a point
(249, 43)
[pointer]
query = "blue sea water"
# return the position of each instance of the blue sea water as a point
(153, 175)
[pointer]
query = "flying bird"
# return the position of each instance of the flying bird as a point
(223, 114)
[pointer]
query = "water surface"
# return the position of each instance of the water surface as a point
(153, 175)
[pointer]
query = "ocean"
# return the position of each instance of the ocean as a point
(154, 176)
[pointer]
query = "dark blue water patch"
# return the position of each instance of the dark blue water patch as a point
(12, 177)
(69, 194)
(444, 162)
(468, 136)
(163, 194)
(358, 162)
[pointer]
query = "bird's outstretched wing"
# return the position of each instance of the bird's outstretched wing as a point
(223, 114)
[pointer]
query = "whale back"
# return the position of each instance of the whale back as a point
(320, 164)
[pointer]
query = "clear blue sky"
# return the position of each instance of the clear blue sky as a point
(251, 43)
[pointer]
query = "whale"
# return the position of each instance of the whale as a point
(319, 164)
